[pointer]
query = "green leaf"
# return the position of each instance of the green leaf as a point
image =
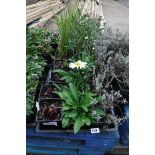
(77, 124)
(65, 122)
(87, 121)
(74, 91)
(64, 77)
(100, 111)
(62, 96)
(57, 86)
(65, 95)
(68, 96)
(85, 101)
(69, 101)
(60, 71)
(71, 113)
(66, 107)
(99, 98)
(67, 78)
(84, 107)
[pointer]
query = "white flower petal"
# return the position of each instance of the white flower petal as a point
(83, 65)
(72, 65)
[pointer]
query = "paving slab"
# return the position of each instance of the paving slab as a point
(116, 15)
(123, 2)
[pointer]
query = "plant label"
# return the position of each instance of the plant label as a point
(95, 130)
(50, 123)
(37, 106)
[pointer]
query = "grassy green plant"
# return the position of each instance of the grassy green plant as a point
(77, 32)
(64, 25)
(76, 107)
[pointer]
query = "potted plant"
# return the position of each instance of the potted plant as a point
(49, 112)
(112, 61)
(80, 72)
(38, 54)
(48, 91)
(85, 122)
(41, 42)
(34, 70)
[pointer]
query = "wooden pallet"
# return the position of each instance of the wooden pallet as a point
(119, 150)
(42, 12)
(67, 143)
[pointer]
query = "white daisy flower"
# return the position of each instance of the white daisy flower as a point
(78, 64)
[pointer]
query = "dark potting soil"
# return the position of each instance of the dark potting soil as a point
(48, 58)
(56, 78)
(42, 79)
(57, 125)
(59, 64)
(50, 110)
(54, 46)
(47, 91)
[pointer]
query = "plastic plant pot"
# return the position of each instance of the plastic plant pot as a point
(64, 141)
(54, 46)
(59, 64)
(54, 77)
(51, 127)
(49, 110)
(30, 119)
(48, 91)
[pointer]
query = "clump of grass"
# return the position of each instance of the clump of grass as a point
(77, 32)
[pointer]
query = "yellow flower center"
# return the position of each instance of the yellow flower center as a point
(78, 64)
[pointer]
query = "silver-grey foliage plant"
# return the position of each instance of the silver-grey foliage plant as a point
(112, 62)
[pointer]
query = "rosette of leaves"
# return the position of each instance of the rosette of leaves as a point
(76, 108)
(79, 77)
